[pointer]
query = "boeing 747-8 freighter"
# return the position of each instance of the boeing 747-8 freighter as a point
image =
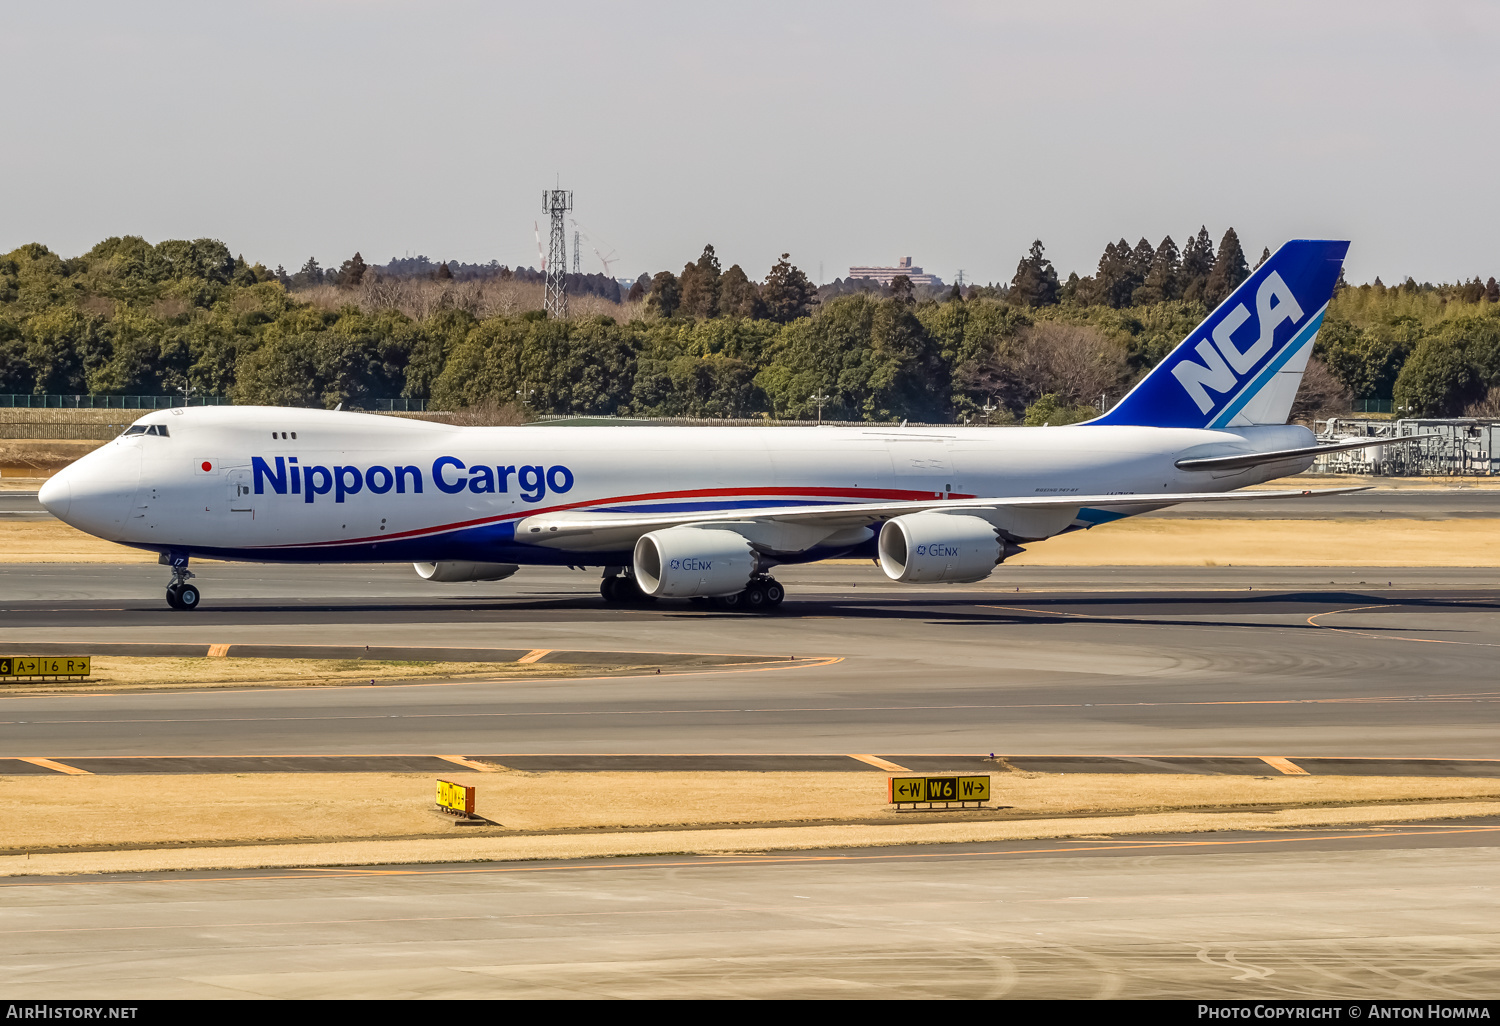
(677, 512)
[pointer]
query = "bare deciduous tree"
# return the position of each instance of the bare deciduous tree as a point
(1321, 394)
(1074, 362)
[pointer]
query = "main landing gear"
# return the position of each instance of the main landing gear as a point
(762, 595)
(181, 594)
(621, 589)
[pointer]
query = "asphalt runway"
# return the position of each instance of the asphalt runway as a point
(1370, 913)
(1343, 666)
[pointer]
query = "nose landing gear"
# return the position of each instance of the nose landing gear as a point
(181, 594)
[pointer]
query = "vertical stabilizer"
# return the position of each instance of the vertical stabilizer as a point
(1244, 363)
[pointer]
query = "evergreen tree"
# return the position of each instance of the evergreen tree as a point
(1035, 283)
(1492, 291)
(1141, 259)
(444, 273)
(700, 286)
(1197, 262)
(787, 293)
(353, 271)
(1161, 279)
(641, 286)
(1229, 270)
(310, 275)
(1265, 254)
(1122, 270)
(665, 294)
(902, 290)
(738, 295)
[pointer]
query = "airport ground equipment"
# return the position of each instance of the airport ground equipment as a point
(1454, 447)
(965, 791)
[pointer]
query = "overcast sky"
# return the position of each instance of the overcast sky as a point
(844, 133)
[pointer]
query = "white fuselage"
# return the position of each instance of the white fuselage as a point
(234, 482)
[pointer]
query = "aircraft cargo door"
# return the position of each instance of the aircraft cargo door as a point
(241, 496)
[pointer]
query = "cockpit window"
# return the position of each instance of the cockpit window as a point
(147, 429)
(136, 429)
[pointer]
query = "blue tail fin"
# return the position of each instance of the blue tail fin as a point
(1243, 364)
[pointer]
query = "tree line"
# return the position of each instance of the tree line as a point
(129, 317)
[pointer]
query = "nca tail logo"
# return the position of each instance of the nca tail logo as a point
(1237, 348)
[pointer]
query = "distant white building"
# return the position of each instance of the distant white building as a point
(885, 274)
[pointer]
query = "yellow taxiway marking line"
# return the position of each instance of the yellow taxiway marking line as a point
(1286, 766)
(467, 763)
(879, 763)
(218, 651)
(59, 767)
(533, 655)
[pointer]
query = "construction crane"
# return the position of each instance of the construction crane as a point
(605, 260)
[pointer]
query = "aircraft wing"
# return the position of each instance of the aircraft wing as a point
(546, 528)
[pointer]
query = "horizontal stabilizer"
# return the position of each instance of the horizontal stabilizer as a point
(1238, 461)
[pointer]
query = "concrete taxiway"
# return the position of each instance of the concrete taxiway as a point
(1402, 911)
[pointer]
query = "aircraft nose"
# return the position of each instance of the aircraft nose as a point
(56, 495)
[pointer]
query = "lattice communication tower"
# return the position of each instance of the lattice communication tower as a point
(557, 203)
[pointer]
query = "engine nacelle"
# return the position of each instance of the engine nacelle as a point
(954, 548)
(682, 562)
(453, 571)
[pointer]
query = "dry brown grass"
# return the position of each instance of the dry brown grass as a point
(1145, 542)
(23, 458)
(136, 673)
(420, 298)
(51, 541)
(149, 809)
(70, 425)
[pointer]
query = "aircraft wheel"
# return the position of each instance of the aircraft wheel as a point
(183, 596)
(610, 589)
(734, 601)
(631, 591)
(753, 599)
(775, 593)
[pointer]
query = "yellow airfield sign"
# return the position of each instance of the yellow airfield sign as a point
(939, 789)
(45, 666)
(455, 797)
